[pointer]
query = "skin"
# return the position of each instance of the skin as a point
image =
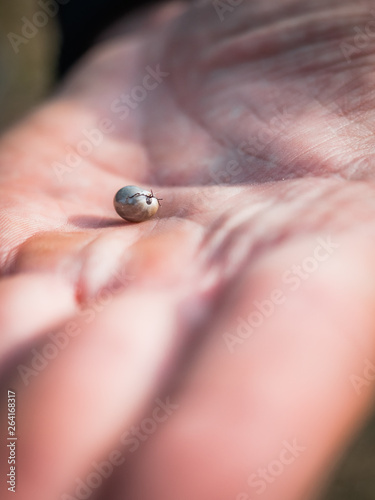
(260, 142)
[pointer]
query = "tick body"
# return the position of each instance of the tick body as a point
(135, 204)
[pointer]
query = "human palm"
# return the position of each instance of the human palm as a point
(247, 301)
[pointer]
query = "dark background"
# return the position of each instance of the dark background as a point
(81, 22)
(29, 72)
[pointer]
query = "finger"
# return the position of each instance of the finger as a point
(71, 408)
(27, 307)
(268, 413)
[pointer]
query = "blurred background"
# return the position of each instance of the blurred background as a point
(31, 64)
(33, 59)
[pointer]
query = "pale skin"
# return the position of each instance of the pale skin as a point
(259, 139)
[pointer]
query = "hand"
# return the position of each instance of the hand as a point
(247, 301)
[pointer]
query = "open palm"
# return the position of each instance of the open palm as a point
(246, 303)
